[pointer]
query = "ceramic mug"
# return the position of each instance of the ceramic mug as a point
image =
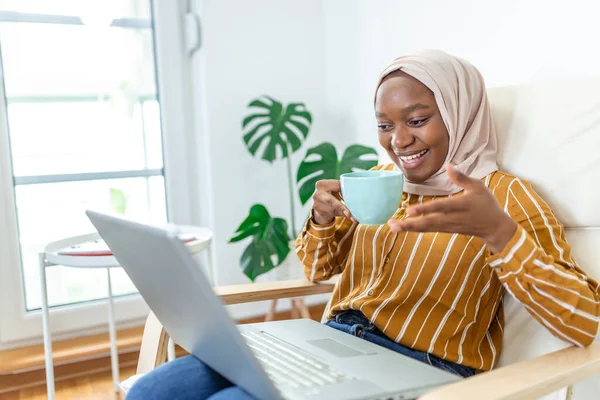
(372, 197)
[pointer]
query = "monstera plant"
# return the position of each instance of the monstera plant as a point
(281, 129)
(269, 240)
(273, 131)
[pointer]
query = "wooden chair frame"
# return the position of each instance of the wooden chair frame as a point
(523, 380)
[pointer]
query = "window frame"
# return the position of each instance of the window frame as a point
(19, 327)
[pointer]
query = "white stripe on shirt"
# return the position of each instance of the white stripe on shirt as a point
(406, 271)
(511, 252)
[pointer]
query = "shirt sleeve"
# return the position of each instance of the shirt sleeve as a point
(536, 267)
(323, 249)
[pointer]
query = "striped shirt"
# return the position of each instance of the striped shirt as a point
(442, 293)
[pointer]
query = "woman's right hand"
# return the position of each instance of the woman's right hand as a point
(327, 202)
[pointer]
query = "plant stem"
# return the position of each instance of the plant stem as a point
(291, 188)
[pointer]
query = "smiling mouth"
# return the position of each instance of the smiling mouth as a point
(413, 158)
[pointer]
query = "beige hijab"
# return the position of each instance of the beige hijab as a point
(460, 94)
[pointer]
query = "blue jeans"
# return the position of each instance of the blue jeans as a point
(355, 323)
(185, 378)
(188, 378)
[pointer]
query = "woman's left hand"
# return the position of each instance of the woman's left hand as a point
(475, 213)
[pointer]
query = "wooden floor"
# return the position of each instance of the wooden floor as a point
(96, 387)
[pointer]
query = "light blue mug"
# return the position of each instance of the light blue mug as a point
(372, 197)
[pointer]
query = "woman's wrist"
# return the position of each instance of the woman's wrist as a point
(501, 235)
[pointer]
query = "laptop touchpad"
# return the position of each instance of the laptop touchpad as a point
(336, 348)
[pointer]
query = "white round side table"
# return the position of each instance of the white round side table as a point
(52, 256)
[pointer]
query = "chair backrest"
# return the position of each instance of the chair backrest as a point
(549, 134)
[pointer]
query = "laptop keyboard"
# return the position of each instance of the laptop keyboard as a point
(286, 366)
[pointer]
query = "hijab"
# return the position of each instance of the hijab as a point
(460, 95)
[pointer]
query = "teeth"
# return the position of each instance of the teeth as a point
(414, 156)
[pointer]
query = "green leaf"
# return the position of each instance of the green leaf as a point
(327, 165)
(280, 127)
(269, 240)
(324, 167)
(118, 201)
(357, 157)
(252, 117)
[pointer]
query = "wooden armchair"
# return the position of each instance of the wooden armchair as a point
(523, 380)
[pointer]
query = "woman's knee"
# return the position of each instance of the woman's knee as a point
(185, 378)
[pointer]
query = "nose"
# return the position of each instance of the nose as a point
(401, 138)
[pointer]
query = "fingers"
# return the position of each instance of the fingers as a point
(332, 206)
(328, 201)
(461, 179)
(438, 206)
(328, 185)
(327, 204)
(431, 223)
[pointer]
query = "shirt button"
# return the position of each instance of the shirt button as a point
(370, 293)
(498, 269)
(387, 260)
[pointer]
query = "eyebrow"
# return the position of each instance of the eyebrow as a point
(407, 110)
(413, 107)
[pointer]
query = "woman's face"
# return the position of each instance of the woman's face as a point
(410, 126)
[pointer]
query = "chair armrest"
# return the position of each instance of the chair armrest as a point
(251, 292)
(526, 379)
(153, 350)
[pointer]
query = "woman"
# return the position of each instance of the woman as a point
(429, 284)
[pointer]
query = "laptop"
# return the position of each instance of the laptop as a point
(293, 359)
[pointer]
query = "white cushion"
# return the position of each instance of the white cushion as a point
(549, 134)
(586, 247)
(525, 338)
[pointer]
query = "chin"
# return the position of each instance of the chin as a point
(416, 179)
(416, 176)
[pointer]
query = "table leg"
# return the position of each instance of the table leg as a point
(209, 261)
(114, 354)
(46, 327)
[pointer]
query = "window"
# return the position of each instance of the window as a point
(81, 118)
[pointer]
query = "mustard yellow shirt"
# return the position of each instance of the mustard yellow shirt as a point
(442, 293)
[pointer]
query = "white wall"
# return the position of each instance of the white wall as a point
(510, 41)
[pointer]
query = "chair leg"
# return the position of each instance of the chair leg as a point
(304, 311)
(295, 313)
(46, 327)
(271, 313)
(114, 354)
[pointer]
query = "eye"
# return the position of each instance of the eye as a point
(384, 127)
(418, 122)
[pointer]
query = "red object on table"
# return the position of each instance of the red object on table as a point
(96, 249)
